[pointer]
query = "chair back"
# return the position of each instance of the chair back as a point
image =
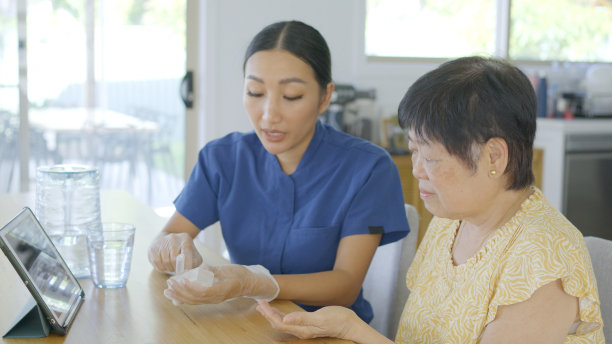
(600, 251)
(384, 285)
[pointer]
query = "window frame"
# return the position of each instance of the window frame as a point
(502, 42)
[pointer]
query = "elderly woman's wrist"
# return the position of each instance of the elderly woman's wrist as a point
(355, 328)
(360, 332)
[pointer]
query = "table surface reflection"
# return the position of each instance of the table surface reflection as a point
(139, 313)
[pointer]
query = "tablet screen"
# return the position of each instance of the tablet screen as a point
(36, 255)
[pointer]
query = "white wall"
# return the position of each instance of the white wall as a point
(229, 25)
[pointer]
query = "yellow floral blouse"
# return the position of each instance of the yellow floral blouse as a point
(453, 304)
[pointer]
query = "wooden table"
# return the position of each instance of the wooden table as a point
(139, 313)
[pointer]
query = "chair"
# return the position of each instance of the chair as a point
(112, 152)
(600, 251)
(158, 152)
(384, 285)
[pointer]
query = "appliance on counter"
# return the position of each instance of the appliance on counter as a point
(569, 105)
(587, 185)
(571, 90)
(598, 91)
(348, 108)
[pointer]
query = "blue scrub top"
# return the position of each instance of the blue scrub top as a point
(292, 224)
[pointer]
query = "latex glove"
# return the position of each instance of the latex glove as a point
(331, 321)
(231, 281)
(165, 248)
(197, 276)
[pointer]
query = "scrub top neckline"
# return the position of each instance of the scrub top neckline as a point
(308, 156)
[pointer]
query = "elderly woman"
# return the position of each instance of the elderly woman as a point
(498, 263)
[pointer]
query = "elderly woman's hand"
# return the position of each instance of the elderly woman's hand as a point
(331, 321)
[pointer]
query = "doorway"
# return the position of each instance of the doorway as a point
(99, 83)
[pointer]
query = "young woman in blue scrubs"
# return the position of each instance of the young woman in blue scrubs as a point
(307, 202)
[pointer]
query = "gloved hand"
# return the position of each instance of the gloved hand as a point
(165, 248)
(231, 281)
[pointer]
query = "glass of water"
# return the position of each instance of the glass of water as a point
(110, 254)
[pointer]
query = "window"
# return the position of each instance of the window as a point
(544, 30)
(102, 89)
(568, 30)
(425, 28)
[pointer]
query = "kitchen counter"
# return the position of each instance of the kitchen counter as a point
(577, 167)
(551, 136)
(575, 126)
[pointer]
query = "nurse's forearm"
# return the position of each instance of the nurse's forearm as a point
(334, 287)
(179, 224)
(339, 286)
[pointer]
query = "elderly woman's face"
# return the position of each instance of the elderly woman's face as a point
(447, 186)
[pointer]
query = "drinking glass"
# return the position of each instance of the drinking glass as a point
(110, 254)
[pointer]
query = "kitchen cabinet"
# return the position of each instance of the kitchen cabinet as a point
(410, 187)
(578, 171)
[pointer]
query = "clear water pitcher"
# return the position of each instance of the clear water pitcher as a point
(68, 206)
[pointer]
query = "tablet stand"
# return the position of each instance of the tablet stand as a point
(30, 323)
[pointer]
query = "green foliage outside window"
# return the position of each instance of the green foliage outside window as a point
(569, 30)
(543, 30)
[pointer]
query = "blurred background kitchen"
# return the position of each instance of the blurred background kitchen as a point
(137, 87)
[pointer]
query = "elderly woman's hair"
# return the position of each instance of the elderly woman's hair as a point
(298, 38)
(465, 102)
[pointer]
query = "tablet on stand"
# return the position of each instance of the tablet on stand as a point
(57, 295)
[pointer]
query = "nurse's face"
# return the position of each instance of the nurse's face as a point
(283, 101)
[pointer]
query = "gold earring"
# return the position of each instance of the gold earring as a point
(493, 172)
